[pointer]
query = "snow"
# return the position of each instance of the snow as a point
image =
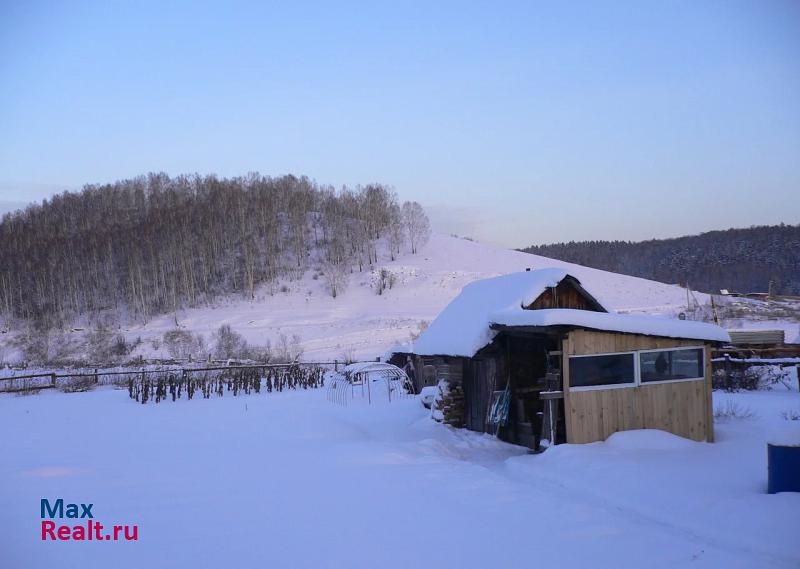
(369, 367)
(463, 326)
(784, 441)
(648, 325)
(289, 480)
(759, 360)
(790, 327)
(428, 394)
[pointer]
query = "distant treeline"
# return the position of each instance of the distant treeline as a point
(740, 260)
(152, 244)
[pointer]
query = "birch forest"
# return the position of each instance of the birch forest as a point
(154, 244)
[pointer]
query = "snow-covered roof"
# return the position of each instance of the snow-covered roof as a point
(647, 325)
(464, 326)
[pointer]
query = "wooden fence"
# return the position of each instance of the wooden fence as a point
(51, 380)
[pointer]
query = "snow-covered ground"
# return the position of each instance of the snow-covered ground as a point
(290, 480)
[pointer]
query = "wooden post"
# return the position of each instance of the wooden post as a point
(728, 372)
(53, 379)
(709, 392)
(96, 377)
(571, 425)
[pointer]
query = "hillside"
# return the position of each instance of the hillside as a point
(741, 260)
(153, 244)
(362, 323)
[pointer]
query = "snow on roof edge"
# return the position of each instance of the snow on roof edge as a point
(611, 322)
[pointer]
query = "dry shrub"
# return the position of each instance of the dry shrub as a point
(731, 410)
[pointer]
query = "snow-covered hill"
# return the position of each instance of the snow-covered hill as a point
(364, 324)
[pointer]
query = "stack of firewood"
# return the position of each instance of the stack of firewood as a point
(451, 403)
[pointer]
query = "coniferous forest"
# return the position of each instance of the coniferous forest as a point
(153, 244)
(740, 260)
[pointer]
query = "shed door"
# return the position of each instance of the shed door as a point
(478, 387)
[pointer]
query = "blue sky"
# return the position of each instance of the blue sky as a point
(514, 123)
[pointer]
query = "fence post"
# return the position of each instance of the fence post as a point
(53, 379)
(96, 377)
(335, 365)
(727, 372)
(797, 372)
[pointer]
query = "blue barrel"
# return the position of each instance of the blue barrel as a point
(783, 462)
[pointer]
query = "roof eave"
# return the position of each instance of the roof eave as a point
(563, 328)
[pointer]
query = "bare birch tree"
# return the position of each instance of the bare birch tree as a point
(417, 225)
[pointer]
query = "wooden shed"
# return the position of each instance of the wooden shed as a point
(537, 359)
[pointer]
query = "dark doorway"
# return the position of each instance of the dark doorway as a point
(529, 361)
(479, 382)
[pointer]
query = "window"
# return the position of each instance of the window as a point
(602, 370)
(630, 369)
(671, 365)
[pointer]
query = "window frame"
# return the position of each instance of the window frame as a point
(637, 370)
(634, 383)
(662, 381)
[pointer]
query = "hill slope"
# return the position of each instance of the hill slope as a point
(364, 324)
(152, 244)
(359, 323)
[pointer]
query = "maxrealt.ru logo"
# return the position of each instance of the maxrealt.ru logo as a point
(87, 530)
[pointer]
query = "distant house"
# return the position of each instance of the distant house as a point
(726, 292)
(757, 338)
(534, 355)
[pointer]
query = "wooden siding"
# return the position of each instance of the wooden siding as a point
(564, 295)
(709, 397)
(682, 408)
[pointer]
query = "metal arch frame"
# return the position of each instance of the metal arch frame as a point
(342, 389)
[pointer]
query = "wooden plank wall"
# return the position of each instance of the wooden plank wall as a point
(450, 368)
(565, 295)
(683, 408)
